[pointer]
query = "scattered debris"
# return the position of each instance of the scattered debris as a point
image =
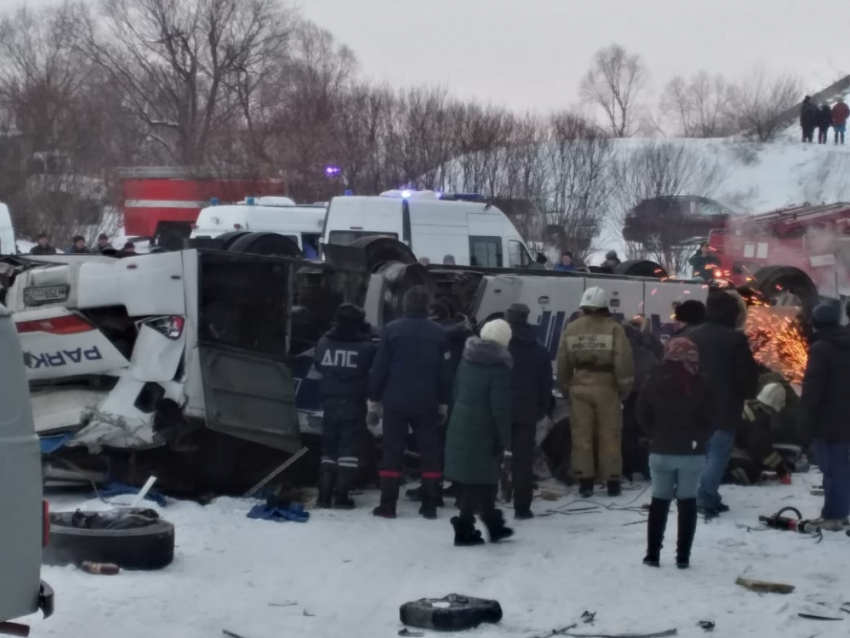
(764, 587)
(294, 512)
(660, 634)
(276, 471)
(819, 617)
(450, 613)
(103, 569)
(231, 634)
(588, 617)
(411, 634)
(286, 603)
(308, 614)
(706, 625)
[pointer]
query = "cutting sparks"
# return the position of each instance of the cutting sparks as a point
(777, 340)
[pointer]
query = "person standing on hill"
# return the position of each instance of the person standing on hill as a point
(824, 122)
(840, 113)
(808, 119)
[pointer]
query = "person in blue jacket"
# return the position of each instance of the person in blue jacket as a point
(344, 357)
(566, 264)
(410, 385)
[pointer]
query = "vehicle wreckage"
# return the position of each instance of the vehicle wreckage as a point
(196, 365)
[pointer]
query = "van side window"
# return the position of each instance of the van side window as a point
(485, 252)
(348, 237)
(518, 256)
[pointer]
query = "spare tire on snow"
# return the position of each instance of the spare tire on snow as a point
(452, 613)
(640, 268)
(130, 538)
(776, 281)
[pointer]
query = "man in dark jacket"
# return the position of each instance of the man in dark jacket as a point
(824, 122)
(78, 246)
(410, 385)
(726, 361)
(704, 262)
(43, 246)
(808, 119)
(648, 351)
(825, 408)
(531, 395)
(344, 358)
(687, 315)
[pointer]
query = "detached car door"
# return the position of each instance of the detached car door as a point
(243, 316)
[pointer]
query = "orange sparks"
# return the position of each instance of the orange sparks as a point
(777, 340)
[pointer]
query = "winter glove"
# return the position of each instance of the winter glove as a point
(373, 416)
(443, 411)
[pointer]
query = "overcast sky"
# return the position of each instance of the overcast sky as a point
(531, 54)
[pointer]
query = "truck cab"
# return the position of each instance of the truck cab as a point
(434, 226)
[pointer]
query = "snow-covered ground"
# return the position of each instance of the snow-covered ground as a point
(348, 573)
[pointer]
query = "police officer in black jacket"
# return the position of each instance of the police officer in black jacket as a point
(410, 385)
(344, 358)
(531, 398)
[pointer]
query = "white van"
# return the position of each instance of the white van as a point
(434, 226)
(25, 523)
(7, 232)
(301, 224)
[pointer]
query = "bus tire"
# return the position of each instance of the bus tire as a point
(382, 250)
(225, 241)
(770, 281)
(270, 244)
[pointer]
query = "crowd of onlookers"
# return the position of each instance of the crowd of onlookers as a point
(79, 246)
(822, 118)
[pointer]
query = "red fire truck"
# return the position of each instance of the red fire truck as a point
(162, 203)
(804, 250)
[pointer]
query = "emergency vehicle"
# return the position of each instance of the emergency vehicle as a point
(162, 203)
(433, 225)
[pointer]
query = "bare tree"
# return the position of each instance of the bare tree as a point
(758, 101)
(174, 61)
(614, 83)
(699, 107)
(653, 176)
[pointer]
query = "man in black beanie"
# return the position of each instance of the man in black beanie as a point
(531, 396)
(825, 404)
(410, 385)
(344, 358)
(688, 314)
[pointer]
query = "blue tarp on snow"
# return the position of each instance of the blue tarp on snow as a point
(294, 512)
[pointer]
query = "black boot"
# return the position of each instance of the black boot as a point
(430, 498)
(614, 488)
(585, 487)
(465, 533)
(496, 530)
(345, 480)
(327, 478)
(389, 497)
(658, 511)
(687, 529)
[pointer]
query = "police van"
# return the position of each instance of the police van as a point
(278, 215)
(442, 228)
(7, 232)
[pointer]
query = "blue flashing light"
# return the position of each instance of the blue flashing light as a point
(348, 192)
(249, 201)
(214, 201)
(332, 171)
(406, 194)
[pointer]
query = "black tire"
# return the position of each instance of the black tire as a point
(225, 241)
(641, 268)
(149, 547)
(383, 250)
(772, 280)
(452, 613)
(266, 244)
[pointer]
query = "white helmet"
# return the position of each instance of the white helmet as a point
(594, 299)
(773, 396)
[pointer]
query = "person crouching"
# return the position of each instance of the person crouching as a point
(479, 432)
(343, 357)
(674, 411)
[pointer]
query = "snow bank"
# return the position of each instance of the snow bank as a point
(350, 572)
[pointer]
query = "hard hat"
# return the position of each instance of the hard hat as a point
(594, 299)
(773, 396)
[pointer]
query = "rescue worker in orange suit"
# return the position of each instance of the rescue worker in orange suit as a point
(596, 371)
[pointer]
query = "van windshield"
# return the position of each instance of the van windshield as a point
(348, 237)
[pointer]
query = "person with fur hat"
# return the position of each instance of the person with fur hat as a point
(753, 453)
(611, 261)
(725, 359)
(480, 432)
(674, 409)
(531, 398)
(410, 385)
(596, 369)
(688, 314)
(825, 405)
(344, 358)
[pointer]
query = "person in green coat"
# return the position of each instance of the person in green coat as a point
(479, 432)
